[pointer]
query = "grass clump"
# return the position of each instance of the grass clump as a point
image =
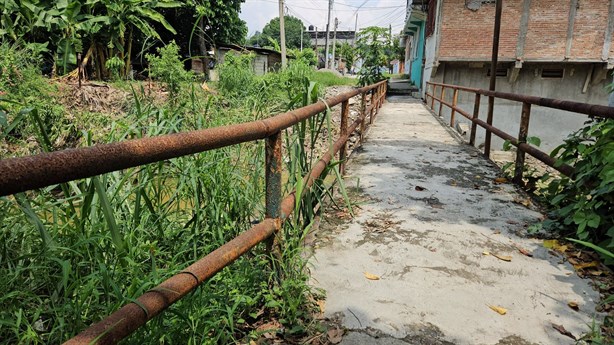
(327, 78)
(74, 253)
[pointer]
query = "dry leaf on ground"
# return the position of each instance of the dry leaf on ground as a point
(563, 331)
(322, 305)
(371, 276)
(555, 245)
(503, 257)
(524, 251)
(485, 253)
(586, 265)
(573, 305)
(500, 310)
(269, 329)
(500, 180)
(335, 335)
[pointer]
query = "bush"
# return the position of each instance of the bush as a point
(168, 68)
(237, 77)
(115, 65)
(585, 203)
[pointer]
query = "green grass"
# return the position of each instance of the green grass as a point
(327, 78)
(72, 254)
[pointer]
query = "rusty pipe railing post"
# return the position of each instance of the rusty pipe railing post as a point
(345, 110)
(441, 99)
(363, 115)
(522, 138)
(433, 96)
(273, 186)
(493, 74)
(454, 102)
(476, 115)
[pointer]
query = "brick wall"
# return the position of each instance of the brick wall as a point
(589, 29)
(467, 34)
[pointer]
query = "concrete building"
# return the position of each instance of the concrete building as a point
(413, 38)
(318, 41)
(550, 48)
(265, 60)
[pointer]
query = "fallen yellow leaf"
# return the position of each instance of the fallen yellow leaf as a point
(322, 305)
(555, 245)
(503, 258)
(371, 276)
(500, 180)
(586, 265)
(573, 305)
(485, 253)
(500, 310)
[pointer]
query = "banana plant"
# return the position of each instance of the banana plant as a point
(126, 16)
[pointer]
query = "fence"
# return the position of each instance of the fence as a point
(27, 173)
(521, 141)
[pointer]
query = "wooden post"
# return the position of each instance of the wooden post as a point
(522, 138)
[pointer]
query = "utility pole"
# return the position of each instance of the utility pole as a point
(282, 34)
(335, 42)
(316, 49)
(302, 37)
(355, 31)
(330, 8)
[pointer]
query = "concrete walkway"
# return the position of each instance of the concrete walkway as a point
(429, 212)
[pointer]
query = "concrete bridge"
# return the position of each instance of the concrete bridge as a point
(435, 249)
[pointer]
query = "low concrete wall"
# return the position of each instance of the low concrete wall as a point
(552, 126)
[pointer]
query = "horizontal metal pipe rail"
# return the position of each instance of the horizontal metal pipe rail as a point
(520, 141)
(26, 173)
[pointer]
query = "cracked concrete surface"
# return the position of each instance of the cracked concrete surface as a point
(430, 210)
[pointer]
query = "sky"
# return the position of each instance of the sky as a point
(257, 13)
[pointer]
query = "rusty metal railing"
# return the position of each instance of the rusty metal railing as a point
(521, 141)
(26, 173)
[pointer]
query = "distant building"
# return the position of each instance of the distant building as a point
(265, 60)
(318, 41)
(555, 49)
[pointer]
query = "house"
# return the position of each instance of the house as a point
(413, 39)
(549, 48)
(265, 60)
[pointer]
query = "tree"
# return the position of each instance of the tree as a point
(372, 45)
(293, 27)
(348, 53)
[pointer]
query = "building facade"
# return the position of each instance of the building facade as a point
(414, 39)
(549, 48)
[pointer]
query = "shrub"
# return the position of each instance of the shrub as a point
(584, 203)
(168, 68)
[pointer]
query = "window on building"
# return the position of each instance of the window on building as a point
(501, 72)
(553, 73)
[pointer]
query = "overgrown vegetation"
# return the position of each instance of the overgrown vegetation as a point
(583, 205)
(103, 30)
(74, 253)
(372, 46)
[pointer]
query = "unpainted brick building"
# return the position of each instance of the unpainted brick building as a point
(549, 48)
